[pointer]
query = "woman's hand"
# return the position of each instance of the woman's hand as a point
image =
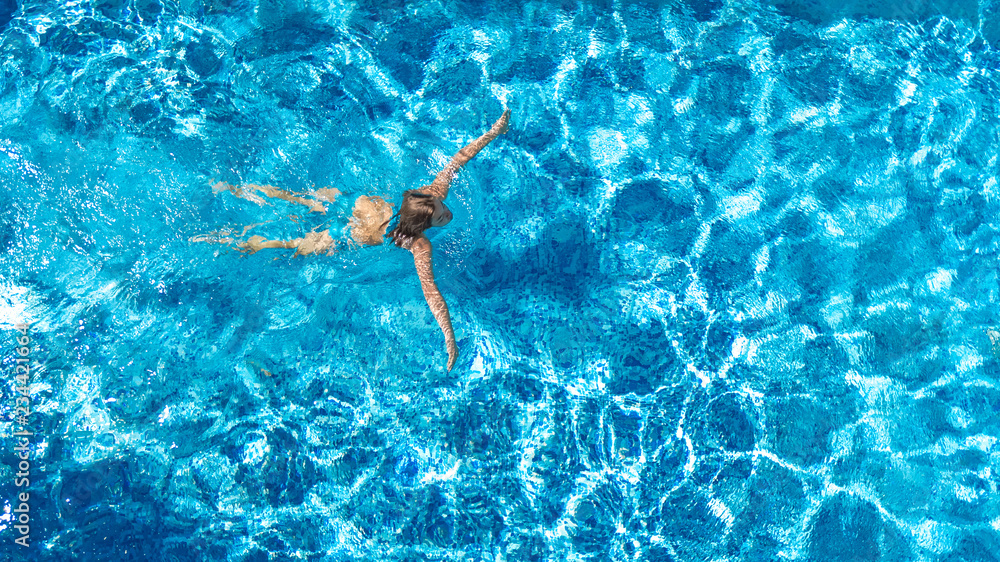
(452, 354)
(503, 122)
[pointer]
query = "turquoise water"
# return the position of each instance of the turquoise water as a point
(727, 289)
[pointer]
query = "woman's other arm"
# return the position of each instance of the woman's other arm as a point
(421, 249)
(439, 188)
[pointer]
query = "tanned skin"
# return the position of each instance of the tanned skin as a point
(322, 242)
(421, 247)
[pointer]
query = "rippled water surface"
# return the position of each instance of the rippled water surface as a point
(727, 289)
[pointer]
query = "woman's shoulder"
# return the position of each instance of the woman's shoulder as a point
(420, 244)
(432, 190)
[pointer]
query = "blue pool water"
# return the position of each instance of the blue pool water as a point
(727, 289)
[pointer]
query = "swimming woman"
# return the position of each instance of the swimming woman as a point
(421, 209)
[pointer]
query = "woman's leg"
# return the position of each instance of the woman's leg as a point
(311, 243)
(247, 192)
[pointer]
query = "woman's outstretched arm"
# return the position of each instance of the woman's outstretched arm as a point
(439, 188)
(421, 249)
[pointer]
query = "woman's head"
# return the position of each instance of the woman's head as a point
(418, 212)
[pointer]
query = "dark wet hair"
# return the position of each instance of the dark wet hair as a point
(414, 217)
